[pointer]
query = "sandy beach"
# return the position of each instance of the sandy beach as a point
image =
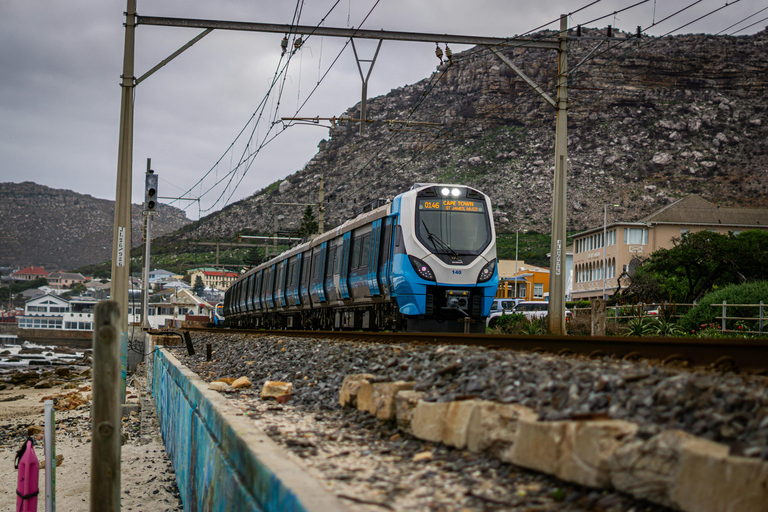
(147, 477)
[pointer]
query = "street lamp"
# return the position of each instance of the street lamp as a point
(605, 242)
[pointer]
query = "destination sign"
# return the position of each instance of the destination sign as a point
(452, 205)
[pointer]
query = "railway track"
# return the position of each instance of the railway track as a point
(737, 354)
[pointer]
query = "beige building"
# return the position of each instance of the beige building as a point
(599, 259)
(218, 279)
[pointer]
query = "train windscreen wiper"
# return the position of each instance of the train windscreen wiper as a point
(438, 244)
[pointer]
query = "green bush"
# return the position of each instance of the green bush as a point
(511, 324)
(578, 304)
(704, 314)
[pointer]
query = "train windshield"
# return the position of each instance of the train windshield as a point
(455, 225)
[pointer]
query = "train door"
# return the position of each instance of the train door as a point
(373, 258)
(385, 257)
(344, 278)
(317, 284)
(306, 265)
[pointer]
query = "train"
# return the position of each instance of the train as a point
(422, 262)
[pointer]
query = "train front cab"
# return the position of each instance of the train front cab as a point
(444, 263)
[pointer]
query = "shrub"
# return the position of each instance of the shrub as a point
(511, 324)
(704, 314)
(639, 326)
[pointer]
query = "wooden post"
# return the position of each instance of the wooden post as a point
(105, 411)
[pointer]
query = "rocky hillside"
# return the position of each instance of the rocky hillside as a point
(650, 120)
(64, 230)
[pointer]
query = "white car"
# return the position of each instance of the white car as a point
(531, 309)
(500, 307)
(537, 309)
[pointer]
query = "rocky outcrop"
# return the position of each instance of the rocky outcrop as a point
(650, 120)
(61, 229)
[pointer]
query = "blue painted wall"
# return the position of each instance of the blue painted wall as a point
(215, 469)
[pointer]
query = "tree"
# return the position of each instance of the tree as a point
(254, 256)
(199, 286)
(308, 223)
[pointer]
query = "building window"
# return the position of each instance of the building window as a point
(612, 237)
(538, 290)
(636, 236)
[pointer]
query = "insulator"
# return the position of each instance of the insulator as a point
(297, 43)
(448, 52)
(638, 31)
(578, 30)
(610, 31)
(438, 52)
(284, 43)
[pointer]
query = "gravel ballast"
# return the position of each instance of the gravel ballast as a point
(727, 408)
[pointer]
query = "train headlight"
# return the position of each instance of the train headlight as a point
(422, 269)
(487, 272)
(450, 192)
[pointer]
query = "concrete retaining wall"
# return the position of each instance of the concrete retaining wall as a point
(223, 462)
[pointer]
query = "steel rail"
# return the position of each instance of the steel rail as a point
(741, 354)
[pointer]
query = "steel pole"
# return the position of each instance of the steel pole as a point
(121, 245)
(605, 224)
(557, 266)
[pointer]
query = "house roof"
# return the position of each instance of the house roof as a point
(695, 210)
(33, 271)
(219, 273)
(66, 275)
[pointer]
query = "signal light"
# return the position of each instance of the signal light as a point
(150, 194)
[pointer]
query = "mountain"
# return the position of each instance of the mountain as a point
(650, 120)
(64, 230)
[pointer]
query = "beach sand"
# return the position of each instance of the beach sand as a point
(147, 477)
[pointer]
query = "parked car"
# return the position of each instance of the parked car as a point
(499, 304)
(537, 309)
(500, 307)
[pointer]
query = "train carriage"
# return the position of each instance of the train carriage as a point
(424, 262)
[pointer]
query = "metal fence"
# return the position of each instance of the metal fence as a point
(674, 311)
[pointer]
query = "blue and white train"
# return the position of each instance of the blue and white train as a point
(424, 262)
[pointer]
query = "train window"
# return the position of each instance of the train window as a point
(315, 264)
(355, 263)
(339, 257)
(291, 277)
(305, 265)
(365, 250)
(330, 265)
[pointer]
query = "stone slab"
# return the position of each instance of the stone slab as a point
(493, 426)
(711, 481)
(351, 387)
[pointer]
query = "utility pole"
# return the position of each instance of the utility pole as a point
(557, 263)
(121, 244)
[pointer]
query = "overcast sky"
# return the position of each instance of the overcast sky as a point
(60, 67)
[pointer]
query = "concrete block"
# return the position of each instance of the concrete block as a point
(405, 403)
(365, 397)
(428, 420)
(575, 451)
(350, 388)
(538, 445)
(711, 481)
(647, 469)
(588, 449)
(383, 396)
(457, 419)
(493, 426)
